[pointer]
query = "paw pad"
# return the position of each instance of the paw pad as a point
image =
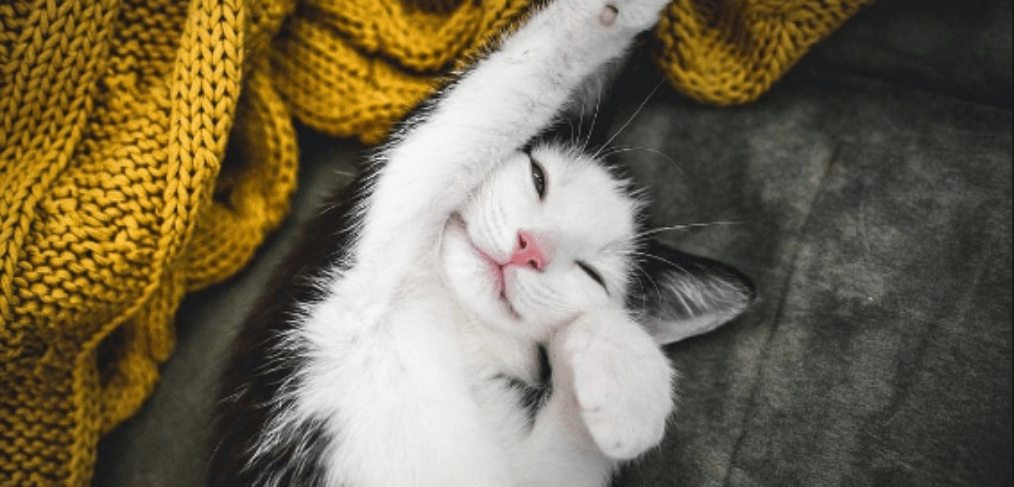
(608, 15)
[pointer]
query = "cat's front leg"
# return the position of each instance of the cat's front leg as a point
(621, 380)
(628, 16)
(588, 33)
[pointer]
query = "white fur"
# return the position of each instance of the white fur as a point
(402, 354)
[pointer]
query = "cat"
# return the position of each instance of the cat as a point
(479, 308)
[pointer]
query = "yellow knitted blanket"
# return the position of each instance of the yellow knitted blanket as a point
(147, 147)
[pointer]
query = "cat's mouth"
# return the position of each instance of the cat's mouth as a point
(495, 269)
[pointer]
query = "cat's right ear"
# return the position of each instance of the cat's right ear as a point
(682, 295)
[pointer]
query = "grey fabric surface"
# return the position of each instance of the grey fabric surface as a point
(876, 222)
(868, 196)
(960, 49)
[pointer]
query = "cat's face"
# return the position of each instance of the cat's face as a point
(546, 237)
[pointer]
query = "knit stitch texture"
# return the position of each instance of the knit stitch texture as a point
(147, 148)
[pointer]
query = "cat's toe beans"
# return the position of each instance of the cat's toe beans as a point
(608, 15)
(636, 14)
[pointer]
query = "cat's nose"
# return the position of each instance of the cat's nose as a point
(530, 251)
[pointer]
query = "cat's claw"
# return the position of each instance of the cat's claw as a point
(623, 386)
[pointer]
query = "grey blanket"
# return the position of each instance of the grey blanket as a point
(876, 219)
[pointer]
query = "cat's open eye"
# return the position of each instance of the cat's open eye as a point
(539, 179)
(592, 273)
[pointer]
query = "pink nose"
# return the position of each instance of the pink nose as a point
(530, 251)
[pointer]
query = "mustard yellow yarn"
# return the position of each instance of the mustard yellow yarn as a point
(354, 68)
(117, 196)
(729, 52)
(146, 148)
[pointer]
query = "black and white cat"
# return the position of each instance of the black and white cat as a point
(479, 309)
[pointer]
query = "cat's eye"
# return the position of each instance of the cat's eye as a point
(539, 179)
(592, 273)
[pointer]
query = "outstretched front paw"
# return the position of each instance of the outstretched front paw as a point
(636, 15)
(622, 382)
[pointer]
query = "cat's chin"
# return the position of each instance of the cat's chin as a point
(476, 278)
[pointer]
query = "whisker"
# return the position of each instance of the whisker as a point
(595, 116)
(682, 269)
(328, 208)
(580, 122)
(622, 150)
(658, 291)
(615, 150)
(686, 226)
(629, 120)
(655, 257)
(673, 228)
(570, 126)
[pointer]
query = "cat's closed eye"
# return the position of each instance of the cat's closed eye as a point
(539, 179)
(592, 273)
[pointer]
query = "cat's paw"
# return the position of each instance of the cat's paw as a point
(618, 17)
(622, 382)
(633, 15)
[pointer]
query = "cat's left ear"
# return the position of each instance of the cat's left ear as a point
(682, 295)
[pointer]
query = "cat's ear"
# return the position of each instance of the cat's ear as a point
(681, 295)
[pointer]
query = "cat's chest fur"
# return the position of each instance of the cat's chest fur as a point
(503, 374)
(428, 365)
(433, 343)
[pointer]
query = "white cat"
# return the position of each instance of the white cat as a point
(473, 315)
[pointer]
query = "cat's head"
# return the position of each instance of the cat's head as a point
(552, 234)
